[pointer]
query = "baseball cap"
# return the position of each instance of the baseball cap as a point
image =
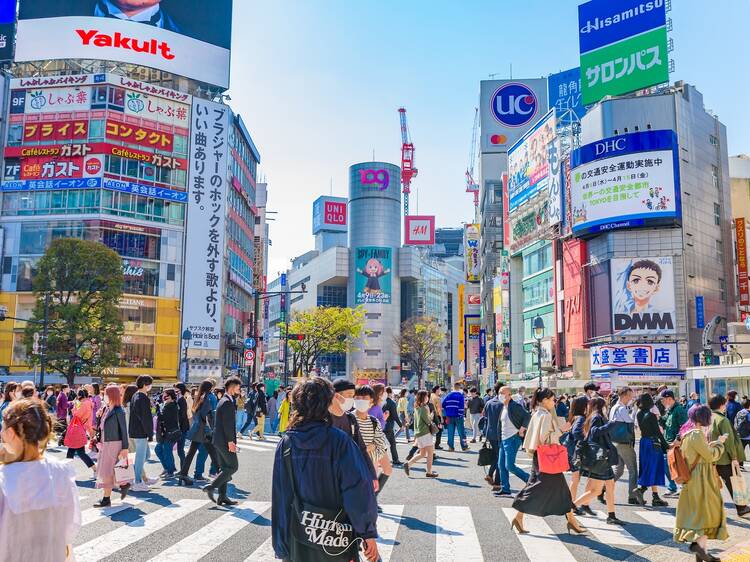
(666, 394)
(342, 384)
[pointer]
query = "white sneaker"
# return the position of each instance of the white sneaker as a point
(152, 481)
(139, 487)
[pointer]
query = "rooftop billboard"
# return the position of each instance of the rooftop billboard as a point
(508, 108)
(190, 38)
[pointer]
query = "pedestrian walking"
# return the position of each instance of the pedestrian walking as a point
(513, 423)
(675, 416)
(491, 411)
(576, 434)
(651, 460)
(113, 446)
(80, 430)
(562, 409)
(261, 411)
(742, 424)
(733, 454)
(334, 484)
(273, 411)
(241, 415)
(376, 411)
(183, 408)
(141, 429)
(201, 430)
(544, 494)
(251, 406)
(40, 511)
(168, 432)
(9, 395)
(732, 406)
(437, 413)
(599, 472)
(392, 418)
(424, 428)
(50, 399)
(453, 412)
(225, 443)
(203, 456)
(372, 434)
(700, 510)
(623, 418)
(402, 410)
(284, 410)
(694, 400)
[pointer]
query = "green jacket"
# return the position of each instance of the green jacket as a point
(733, 448)
(672, 421)
(422, 420)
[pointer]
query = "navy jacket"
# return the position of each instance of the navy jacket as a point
(599, 434)
(733, 407)
(519, 416)
(329, 472)
(492, 410)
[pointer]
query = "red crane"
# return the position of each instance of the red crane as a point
(408, 171)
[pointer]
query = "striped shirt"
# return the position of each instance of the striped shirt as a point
(372, 434)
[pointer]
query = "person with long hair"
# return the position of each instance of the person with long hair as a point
(544, 494)
(284, 410)
(40, 512)
(653, 447)
(328, 472)
(576, 419)
(372, 433)
(700, 510)
(81, 429)
(600, 473)
(167, 431)
(9, 395)
(113, 445)
(378, 398)
(201, 430)
(423, 437)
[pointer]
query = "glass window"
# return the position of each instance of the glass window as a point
(140, 317)
(137, 352)
(141, 277)
(723, 290)
(180, 145)
(715, 176)
(117, 97)
(537, 260)
(717, 214)
(15, 134)
(99, 97)
(113, 165)
(719, 250)
(131, 168)
(96, 130)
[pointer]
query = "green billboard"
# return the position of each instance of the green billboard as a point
(632, 64)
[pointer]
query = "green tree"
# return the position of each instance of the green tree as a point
(327, 329)
(420, 343)
(84, 281)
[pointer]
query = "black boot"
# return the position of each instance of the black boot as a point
(224, 500)
(382, 479)
(209, 491)
(601, 499)
(656, 501)
(613, 520)
(104, 502)
(124, 489)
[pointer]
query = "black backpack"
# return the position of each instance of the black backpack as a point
(742, 424)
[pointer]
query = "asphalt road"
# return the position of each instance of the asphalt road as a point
(454, 517)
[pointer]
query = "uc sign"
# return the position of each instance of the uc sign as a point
(514, 104)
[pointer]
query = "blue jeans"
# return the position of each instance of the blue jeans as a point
(456, 423)
(241, 417)
(671, 486)
(200, 462)
(142, 454)
(274, 423)
(166, 457)
(507, 461)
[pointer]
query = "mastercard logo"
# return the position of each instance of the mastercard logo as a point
(498, 139)
(93, 166)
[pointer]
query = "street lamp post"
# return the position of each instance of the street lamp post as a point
(45, 334)
(538, 330)
(187, 335)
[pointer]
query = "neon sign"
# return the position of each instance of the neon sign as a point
(380, 178)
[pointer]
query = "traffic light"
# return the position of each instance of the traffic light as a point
(297, 337)
(77, 367)
(2, 315)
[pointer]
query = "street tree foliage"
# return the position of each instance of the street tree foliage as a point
(84, 280)
(420, 343)
(327, 329)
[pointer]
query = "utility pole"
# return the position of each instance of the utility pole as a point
(45, 331)
(256, 336)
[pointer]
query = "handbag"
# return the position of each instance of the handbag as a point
(591, 457)
(552, 458)
(740, 493)
(124, 470)
(485, 457)
(433, 428)
(76, 436)
(315, 528)
(622, 432)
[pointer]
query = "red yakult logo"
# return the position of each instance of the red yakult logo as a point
(92, 37)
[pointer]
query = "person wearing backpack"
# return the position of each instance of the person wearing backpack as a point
(674, 417)
(733, 451)
(700, 510)
(742, 423)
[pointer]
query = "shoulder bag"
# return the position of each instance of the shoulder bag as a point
(552, 457)
(485, 457)
(318, 529)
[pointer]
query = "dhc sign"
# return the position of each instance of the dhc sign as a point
(514, 104)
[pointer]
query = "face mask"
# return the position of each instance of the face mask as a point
(362, 405)
(348, 404)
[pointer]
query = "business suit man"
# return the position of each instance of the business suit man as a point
(149, 12)
(225, 442)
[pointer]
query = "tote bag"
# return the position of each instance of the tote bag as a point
(740, 494)
(75, 437)
(552, 457)
(124, 470)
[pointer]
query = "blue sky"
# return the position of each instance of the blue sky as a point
(319, 82)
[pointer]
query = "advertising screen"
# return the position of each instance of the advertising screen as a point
(7, 28)
(643, 298)
(471, 252)
(508, 109)
(528, 162)
(373, 275)
(626, 181)
(419, 230)
(190, 38)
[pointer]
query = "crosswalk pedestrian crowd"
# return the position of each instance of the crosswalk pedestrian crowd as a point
(334, 447)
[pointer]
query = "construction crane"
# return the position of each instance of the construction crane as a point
(471, 184)
(408, 171)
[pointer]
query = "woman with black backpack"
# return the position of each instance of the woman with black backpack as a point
(324, 506)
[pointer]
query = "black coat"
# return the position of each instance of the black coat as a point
(390, 407)
(183, 414)
(262, 409)
(169, 420)
(251, 402)
(225, 430)
(115, 428)
(599, 434)
(141, 420)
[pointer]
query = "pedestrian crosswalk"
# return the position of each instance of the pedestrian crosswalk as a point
(454, 530)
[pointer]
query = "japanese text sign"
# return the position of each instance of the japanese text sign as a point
(636, 356)
(141, 136)
(742, 278)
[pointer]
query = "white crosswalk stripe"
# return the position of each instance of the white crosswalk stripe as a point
(608, 534)
(541, 539)
(388, 524)
(264, 553)
(658, 519)
(202, 542)
(457, 538)
(89, 516)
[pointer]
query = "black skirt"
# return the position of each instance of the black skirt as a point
(544, 494)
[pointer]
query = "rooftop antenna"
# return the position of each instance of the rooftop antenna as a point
(373, 155)
(331, 191)
(511, 71)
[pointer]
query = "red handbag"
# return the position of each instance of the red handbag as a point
(75, 436)
(552, 458)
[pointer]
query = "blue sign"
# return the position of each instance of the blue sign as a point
(482, 349)
(564, 90)
(50, 185)
(603, 22)
(250, 343)
(283, 279)
(629, 143)
(514, 104)
(723, 341)
(8, 11)
(700, 315)
(148, 190)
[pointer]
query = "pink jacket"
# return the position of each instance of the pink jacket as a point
(83, 410)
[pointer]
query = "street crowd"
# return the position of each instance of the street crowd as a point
(338, 451)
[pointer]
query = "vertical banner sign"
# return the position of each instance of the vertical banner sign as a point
(482, 349)
(555, 200)
(506, 214)
(742, 281)
(206, 229)
(565, 95)
(471, 252)
(373, 281)
(700, 314)
(461, 327)
(7, 29)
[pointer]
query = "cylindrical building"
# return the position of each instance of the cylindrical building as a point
(374, 242)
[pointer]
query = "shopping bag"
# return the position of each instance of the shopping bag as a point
(740, 493)
(124, 471)
(485, 457)
(552, 458)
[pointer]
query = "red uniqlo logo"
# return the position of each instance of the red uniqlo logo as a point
(335, 213)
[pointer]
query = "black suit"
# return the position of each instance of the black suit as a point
(225, 432)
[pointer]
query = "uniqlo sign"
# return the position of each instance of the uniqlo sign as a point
(334, 213)
(330, 214)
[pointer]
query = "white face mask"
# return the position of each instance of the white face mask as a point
(362, 405)
(348, 404)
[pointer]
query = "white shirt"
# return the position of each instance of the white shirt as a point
(141, 17)
(39, 510)
(507, 428)
(622, 413)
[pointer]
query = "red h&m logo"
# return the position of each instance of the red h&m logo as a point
(334, 213)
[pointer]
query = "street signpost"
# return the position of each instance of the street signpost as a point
(250, 343)
(249, 356)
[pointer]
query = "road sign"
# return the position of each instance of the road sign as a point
(283, 279)
(250, 343)
(249, 356)
(724, 341)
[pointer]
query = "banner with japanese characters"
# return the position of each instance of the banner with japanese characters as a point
(635, 356)
(373, 275)
(207, 194)
(161, 110)
(742, 278)
(51, 100)
(471, 252)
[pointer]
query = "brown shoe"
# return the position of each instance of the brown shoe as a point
(432, 475)
(496, 488)
(489, 480)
